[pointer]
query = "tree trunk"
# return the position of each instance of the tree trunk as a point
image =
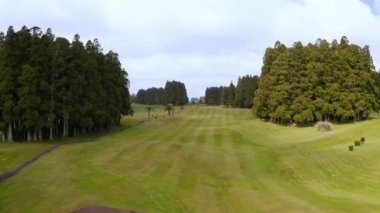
(51, 133)
(29, 137)
(65, 125)
(35, 135)
(40, 134)
(10, 133)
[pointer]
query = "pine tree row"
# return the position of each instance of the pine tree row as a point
(241, 96)
(50, 87)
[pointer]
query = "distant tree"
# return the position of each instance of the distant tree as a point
(224, 96)
(175, 93)
(231, 94)
(149, 108)
(140, 96)
(245, 91)
(213, 95)
(170, 109)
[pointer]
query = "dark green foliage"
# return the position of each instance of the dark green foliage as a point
(245, 91)
(304, 84)
(175, 93)
(362, 139)
(51, 87)
(213, 95)
(351, 148)
(151, 96)
(357, 143)
(240, 96)
(231, 94)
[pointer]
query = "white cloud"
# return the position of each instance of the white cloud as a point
(202, 43)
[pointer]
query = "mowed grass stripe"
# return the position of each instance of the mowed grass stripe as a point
(182, 159)
(189, 168)
(212, 185)
(150, 159)
(183, 140)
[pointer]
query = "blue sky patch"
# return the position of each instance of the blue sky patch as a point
(372, 6)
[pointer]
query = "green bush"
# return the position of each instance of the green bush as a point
(351, 148)
(362, 139)
(357, 143)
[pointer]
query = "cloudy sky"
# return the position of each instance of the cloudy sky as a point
(199, 42)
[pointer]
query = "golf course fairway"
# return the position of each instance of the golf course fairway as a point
(204, 159)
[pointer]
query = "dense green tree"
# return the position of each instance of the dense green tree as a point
(52, 87)
(245, 90)
(224, 94)
(140, 97)
(213, 95)
(151, 96)
(175, 93)
(321, 81)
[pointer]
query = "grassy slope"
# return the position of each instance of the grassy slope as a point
(205, 159)
(13, 154)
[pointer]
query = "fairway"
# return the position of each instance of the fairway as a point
(204, 159)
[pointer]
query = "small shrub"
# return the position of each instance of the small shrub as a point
(362, 140)
(357, 143)
(351, 148)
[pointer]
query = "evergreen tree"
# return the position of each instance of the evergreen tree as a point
(324, 81)
(245, 90)
(51, 87)
(231, 94)
(175, 93)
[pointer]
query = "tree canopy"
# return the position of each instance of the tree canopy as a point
(151, 96)
(240, 96)
(322, 81)
(51, 87)
(174, 93)
(245, 91)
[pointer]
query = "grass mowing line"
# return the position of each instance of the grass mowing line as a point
(180, 160)
(189, 170)
(190, 137)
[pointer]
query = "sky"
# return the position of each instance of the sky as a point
(202, 43)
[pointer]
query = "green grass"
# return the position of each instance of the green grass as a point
(13, 154)
(204, 159)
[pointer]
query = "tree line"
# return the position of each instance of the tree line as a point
(322, 81)
(51, 87)
(174, 93)
(240, 96)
